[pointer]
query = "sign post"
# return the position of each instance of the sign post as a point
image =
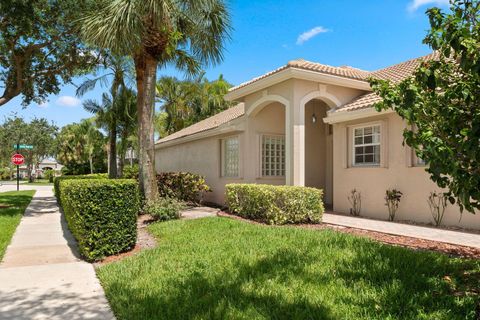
(18, 160)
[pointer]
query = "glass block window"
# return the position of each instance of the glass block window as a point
(230, 157)
(273, 156)
(366, 146)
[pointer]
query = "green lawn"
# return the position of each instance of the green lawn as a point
(40, 182)
(220, 268)
(10, 217)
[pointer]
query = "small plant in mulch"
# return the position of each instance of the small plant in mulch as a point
(437, 203)
(392, 201)
(355, 199)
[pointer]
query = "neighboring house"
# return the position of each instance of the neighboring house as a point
(310, 124)
(49, 164)
(40, 168)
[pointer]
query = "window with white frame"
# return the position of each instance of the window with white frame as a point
(419, 161)
(230, 157)
(366, 146)
(273, 156)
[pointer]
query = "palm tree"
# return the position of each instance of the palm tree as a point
(115, 69)
(186, 102)
(90, 136)
(127, 126)
(176, 100)
(187, 33)
(106, 117)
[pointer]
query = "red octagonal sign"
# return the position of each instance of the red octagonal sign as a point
(18, 159)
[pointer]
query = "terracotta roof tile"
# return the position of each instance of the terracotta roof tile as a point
(208, 124)
(364, 101)
(345, 71)
(399, 72)
(393, 73)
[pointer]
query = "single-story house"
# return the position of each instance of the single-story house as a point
(310, 124)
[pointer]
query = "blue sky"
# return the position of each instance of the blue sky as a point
(367, 34)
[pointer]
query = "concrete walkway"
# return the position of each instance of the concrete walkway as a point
(198, 212)
(41, 275)
(402, 229)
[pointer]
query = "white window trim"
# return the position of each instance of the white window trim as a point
(222, 157)
(260, 155)
(416, 160)
(383, 144)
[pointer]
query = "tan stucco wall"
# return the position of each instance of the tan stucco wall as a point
(327, 158)
(372, 182)
(203, 156)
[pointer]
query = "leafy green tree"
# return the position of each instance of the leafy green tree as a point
(189, 101)
(441, 103)
(185, 33)
(80, 147)
(39, 47)
(39, 133)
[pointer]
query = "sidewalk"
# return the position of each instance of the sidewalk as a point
(402, 229)
(41, 275)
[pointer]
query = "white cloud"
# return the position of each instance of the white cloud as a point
(68, 101)
(307, 35)
(415, 4)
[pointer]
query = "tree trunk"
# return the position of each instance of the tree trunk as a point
(122, 151)
(112, 174)
(146, 70)
(29, 169)
(90, 160)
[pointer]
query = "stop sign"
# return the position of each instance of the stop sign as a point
(18, 159)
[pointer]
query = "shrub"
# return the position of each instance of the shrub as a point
(437, 203)
(58, 180)
(355, 199)
(102, 214)
(5, 173)
(275, 204)
(49, 174)
(183, 186)
(164, 209)
(130, 171)
(392, 201)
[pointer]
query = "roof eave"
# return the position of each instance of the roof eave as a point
(229, 127)
(290, 73)
(343, 116)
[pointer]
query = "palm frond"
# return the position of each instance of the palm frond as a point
(91, 106)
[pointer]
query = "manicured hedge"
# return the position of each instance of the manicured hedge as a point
(102, 214)
(57, 180)
(183, 186)
(275, 204)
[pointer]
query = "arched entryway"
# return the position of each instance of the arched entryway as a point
(271, 131)
(319, 149)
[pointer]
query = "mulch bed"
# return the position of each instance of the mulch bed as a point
(409, 242)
